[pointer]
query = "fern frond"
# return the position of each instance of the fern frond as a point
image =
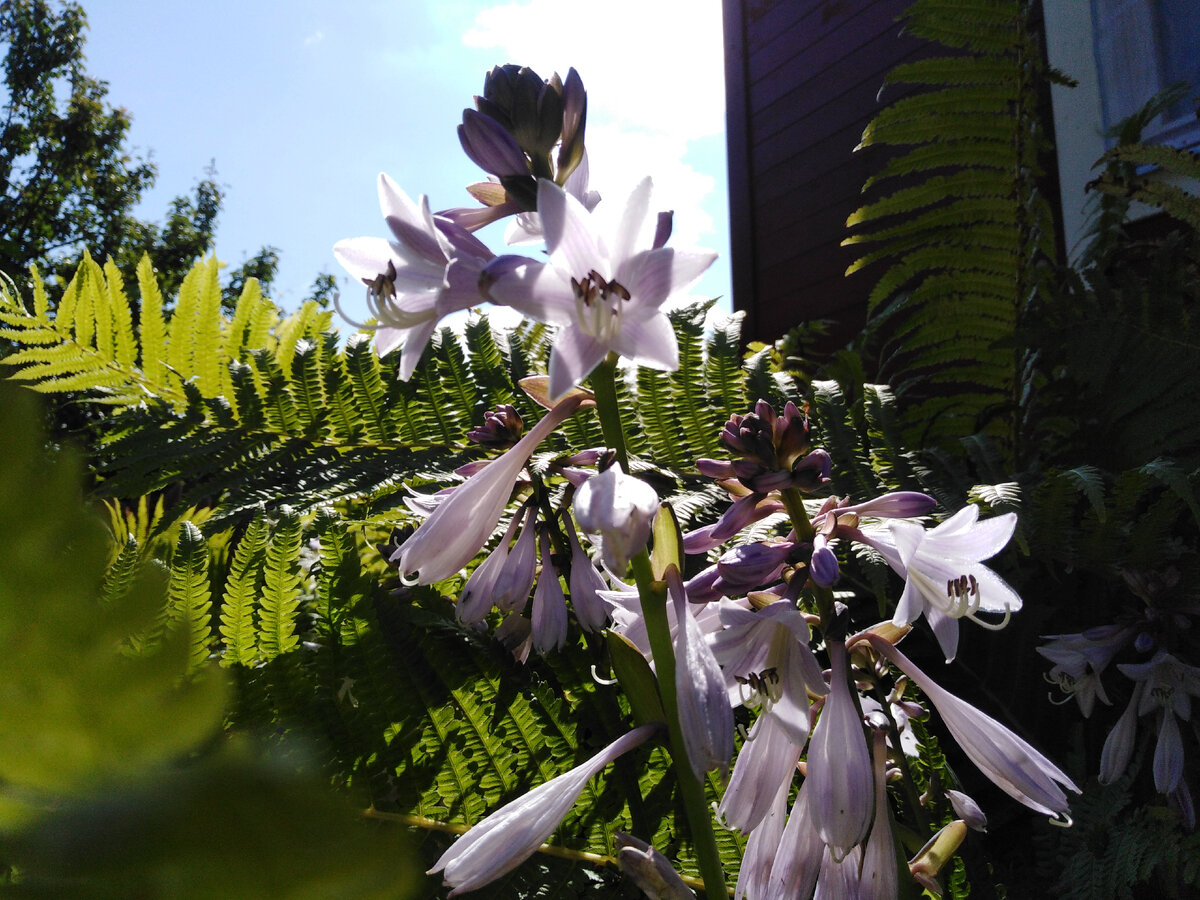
(280, 597)
(189, 598)
(242, 587)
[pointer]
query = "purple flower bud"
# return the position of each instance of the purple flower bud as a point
(967, 810)
(502, 428)
(746, 567)
(490, 146)
(824, 564)
(812, 471)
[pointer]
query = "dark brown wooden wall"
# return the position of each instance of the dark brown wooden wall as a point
(802, 81)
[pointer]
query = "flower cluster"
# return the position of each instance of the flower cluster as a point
(1154, 644)
(732, 624)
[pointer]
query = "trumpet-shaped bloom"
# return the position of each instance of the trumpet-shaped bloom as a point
(620, 508)
(1169, 686)
(877, 880)
(466, 518)
(549, 605)
(586, 584)
(607, 289)
(705, 716)
(839, 765)
(1011, 764)
(428, 271)
(801, 850)
(512, 833)
(945, 578)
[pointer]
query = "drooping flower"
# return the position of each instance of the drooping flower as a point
(1009, 762)
(1119, 745)
(650, 870)
(620, 508)
(466, 518)
(878, 880)
(586, 583)
(945, 578)
(705, 716)
(1079, 660)
(512, 833)
(549, 605)
(430, 269)
(839, 764)
(766, 761)
(801, 850)
(762, 850)
(608, 290)
(1169, 686)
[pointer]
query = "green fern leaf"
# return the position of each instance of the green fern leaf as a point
(241, 591)
(152, 329)
(122, 318)
(281, 589)
(189, 598)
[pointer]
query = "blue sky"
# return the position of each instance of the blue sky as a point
(302, 104)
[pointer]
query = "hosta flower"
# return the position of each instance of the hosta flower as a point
(430, 269)
(768, 663)
(762, 850)
(1079, 659)
(463, 521)
(608, 290)
(878, 881)
(1012, 765)
(650, 870)
(766, 762)
(945, 578)
(801, 849)
(839, 764)
(705, 716)
(586, 583)
(1119, 745)
(549, 605)
(512, 833)
(620, 508)
(1169, 686)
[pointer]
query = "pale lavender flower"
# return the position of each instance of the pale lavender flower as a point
(650, 870)
(801, 850)
(549, 605)
(705, 716)
(762, 850)
(514, 832)
(1012, 765)
(428, 271)
(967, 810)
(608, 290)
(1169, 687)
(476, 602)
(511, 588)
(878, 881)
(766, 761)
(462, 522)
(945, 578)
(768, 663)
(839, 764)
(620, 508)
(1079, 660)
(586, 584)
(838, 879)
(1118, 746)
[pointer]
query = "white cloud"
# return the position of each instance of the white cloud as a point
(654, 72)
(315, 38)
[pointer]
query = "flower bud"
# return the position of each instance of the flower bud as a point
(620, 508)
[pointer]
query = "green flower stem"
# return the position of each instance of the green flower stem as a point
(653, 596)
(793, 502)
